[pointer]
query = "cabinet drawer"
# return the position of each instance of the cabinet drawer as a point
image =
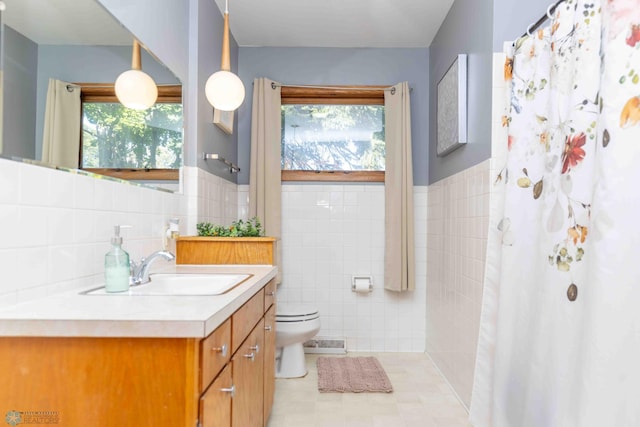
(245, 319)
(269, 294)
(215, 352)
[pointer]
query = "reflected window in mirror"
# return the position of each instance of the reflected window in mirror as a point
(131, 144)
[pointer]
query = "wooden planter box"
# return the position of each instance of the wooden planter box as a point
(226, 250)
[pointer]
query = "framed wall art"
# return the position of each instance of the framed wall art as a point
(224, 120)
(451, 107)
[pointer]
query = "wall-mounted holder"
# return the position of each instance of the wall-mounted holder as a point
(232, 167)
(361, 284)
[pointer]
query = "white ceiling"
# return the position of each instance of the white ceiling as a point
(282, 23)
(65, 22)
(336, 23)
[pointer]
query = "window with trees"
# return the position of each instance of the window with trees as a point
(333, 134)
(131, 144)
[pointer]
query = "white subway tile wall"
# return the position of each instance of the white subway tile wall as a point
(209, 198)
(458, 215)
(57, 225)
(333, 232)
(458, 221)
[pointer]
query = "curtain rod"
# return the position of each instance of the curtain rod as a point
(389, 88)
(71, 86)
(550, 10)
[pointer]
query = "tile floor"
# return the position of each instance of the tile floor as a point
(421, 398)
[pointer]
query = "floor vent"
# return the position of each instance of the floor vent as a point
(326, 345)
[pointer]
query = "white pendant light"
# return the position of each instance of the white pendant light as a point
(224, 90)
(135, 88)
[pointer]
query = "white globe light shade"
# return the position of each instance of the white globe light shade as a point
(136, 89)
(224, 90)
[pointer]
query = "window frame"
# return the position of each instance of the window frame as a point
(332, 95)
(106, 93)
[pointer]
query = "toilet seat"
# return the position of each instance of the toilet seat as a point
(296, 319)
(296, 313)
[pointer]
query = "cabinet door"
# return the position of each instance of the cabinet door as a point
(215, 404)
(248, 377)
(269, 360)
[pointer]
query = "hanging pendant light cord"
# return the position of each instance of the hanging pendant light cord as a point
(136, 62)
(225, 61)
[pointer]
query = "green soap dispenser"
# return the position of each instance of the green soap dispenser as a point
(117, 268)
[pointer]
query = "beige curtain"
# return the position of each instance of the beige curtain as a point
(61, 136)
(264, 180)
(399, 258)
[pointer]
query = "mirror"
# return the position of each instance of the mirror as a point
(75, 41)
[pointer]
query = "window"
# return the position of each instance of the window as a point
(333, 134)
(131, 144)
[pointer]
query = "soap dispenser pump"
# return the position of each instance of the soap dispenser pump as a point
(117, 267)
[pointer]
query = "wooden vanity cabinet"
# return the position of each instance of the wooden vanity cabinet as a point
(159, 382)
(101, 382)
(252, 367)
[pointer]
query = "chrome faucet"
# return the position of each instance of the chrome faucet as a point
(140, 271)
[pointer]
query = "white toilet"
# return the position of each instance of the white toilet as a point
(295, 324)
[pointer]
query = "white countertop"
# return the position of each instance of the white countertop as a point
(75, 315)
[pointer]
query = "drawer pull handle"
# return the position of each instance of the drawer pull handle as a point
(231, 390)
(222, 350)
(268, 328)
(251, 356)
(271, 294)
(255, 348)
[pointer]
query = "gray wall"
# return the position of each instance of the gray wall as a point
(468, 29)
(336, 66)
(19, 95)
(511, 19)
(88, 64)
(477, 28)
(205, 51)
(161, 25)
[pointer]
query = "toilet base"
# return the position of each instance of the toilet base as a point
(290, 362)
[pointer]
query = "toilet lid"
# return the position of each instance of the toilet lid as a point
(285, 311)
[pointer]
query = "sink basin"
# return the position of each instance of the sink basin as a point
(181, 284)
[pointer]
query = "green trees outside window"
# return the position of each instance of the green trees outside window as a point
(333, 137)
(114, 136)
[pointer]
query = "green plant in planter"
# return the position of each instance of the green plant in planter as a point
(240, 228)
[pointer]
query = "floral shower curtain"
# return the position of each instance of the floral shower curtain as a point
(559, 340)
